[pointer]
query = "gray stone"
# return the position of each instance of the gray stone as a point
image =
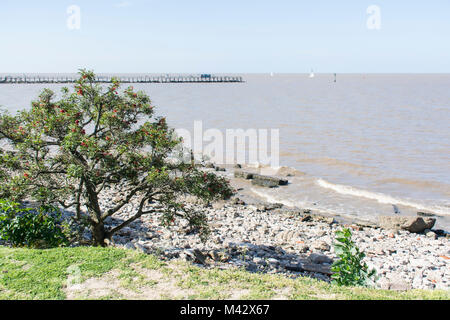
(318, 268)
(303, 248)
(319, 258)
(430, 234)
(257, 260)
(199, 256)
(321, 245)
(269, 207)
(268, 181)
(294, 267)
(425, 214)
(411, 224)
(238, 201)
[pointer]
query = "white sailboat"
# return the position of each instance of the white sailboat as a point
(312, 75)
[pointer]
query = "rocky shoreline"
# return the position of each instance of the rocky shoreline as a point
(269, 238)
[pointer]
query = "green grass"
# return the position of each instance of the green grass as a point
(123, 274)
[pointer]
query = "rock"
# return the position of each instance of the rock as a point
(267, 181)
(430, 234)
(218, 205)
(210, 165)
(269, 207)
(425, 214)
(238, 201)
(199, 257)
(366, 224)
(411, 224)
(273, 261)
(321, 245)
(238, 166)
(311, 267)
(288, 235)
(306, 218)
(294, 267)
(214, 254)
(218, 256)
(303, 248)
(319, 258)
(187, 255)
(243, 174)
(221, 169)
(440, 232)
(378, 251)
(329, 220)
(257, 260)
(320, 233)
(117, 199)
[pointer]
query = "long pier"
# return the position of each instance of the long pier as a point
(123, 79)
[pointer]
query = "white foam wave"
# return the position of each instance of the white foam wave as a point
(304, 205)
(271, 199)
(381, 198)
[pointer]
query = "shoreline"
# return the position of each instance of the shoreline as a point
(269, 238)
(254, 194)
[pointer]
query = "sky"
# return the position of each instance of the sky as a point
(233, 36)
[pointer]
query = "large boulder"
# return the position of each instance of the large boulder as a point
(268, 181)
(411, 224)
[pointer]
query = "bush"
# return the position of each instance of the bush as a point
(32, 228)
(350, 270)
(70, 152)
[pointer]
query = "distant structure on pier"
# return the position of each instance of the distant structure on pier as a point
(204, 78)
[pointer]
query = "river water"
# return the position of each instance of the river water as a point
(360, 145)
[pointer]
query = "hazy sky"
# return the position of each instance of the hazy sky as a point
(236, 36)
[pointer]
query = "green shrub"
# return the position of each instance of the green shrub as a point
(71, 149)
(350, 270)
(33, 228)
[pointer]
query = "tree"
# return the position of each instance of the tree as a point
(68, 152)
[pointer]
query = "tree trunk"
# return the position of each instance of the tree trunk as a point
(99, 234)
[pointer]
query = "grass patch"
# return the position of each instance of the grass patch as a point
(109, 273)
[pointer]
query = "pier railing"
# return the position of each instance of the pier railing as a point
(103, 79)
